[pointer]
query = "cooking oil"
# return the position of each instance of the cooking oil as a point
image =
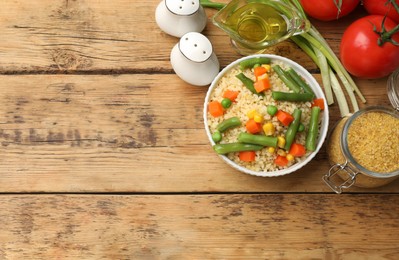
(257, 22)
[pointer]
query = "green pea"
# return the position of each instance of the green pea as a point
(271, 110)
(217, 137)
(301, 127)
(226, 103)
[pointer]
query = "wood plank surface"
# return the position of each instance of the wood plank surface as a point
(101, 36)
(103, 153)
(126, 133)
(296, 226)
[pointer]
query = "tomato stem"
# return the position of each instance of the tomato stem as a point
(338, 4)
(386, 36)
(395, 5)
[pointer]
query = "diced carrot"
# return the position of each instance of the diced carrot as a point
(281, 161)
(259, 71)
(284, 117)
(262, 85)
(297, 150)
(247, 156)
(230, 94)
(253, 127)
(318, 102)
(215, 108)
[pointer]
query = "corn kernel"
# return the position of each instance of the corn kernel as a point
(267, 67)
(281, 152)
(290, 157)
(269, 128)
(263, 76)
(251, 113)
(258, 118)
(280, 141)
(271, 150)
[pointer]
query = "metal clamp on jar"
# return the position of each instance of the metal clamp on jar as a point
(364, 148)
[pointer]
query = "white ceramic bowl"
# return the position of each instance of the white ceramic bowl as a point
(315, 87)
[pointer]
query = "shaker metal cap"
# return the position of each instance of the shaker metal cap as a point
(182, 7)
(195, 46)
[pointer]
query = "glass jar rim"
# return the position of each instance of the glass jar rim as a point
(393, 89)
(344, 141)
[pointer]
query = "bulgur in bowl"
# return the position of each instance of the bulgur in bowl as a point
(265, 115)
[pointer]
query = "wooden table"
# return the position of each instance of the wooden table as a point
(103, 153)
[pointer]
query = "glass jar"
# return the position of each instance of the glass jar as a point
(393, 89)
(353, 160)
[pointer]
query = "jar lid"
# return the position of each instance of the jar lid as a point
(393, 89)
(345, 146)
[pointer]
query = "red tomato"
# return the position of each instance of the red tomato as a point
(360, 53)
(327, 10)
(381, 7)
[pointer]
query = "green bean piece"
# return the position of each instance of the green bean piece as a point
(272, 110)
(300, 81)
(228, 123)
(292, 129)
(313, 131)
(249, 83)
(226, 103)
(258, 139)
(285, 77)
(293, 97)
(301, 127)
(217, 136)
(235, 147)
(250, 63)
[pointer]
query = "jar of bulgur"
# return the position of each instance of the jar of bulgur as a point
(393, 89)
(363, 149)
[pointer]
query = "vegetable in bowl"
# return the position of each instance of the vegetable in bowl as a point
(273, 125)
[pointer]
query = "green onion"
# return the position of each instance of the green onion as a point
(211, 4)
(325, 75)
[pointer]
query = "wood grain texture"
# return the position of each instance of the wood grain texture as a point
(199, 227)
(89, 104)
(126, 133)
(59, 36)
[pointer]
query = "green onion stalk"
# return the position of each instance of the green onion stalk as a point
(331, 68)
